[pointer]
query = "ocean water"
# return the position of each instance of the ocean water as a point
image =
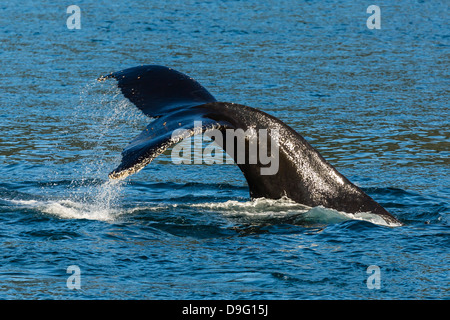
(374, 102)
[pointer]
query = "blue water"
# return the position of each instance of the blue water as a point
(373, 102)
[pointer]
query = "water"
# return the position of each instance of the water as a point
(373, 102)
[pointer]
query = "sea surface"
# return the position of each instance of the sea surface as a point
(374, 102)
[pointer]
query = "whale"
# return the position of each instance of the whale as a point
(180, 107)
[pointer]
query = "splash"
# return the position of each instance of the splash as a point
(97, 126)
(264, 210)
(97, 202)
(256, 207)
(286, 209)
(70, 209)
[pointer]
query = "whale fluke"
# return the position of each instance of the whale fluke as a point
(179, 102)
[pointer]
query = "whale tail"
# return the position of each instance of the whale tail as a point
(183, 108)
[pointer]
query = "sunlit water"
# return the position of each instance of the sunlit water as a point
(373, 102)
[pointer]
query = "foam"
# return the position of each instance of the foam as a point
(101, 205)
(68, 209)
(103, 210)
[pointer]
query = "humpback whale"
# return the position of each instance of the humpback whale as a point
(176, 101)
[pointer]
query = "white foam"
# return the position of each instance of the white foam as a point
(284, 207)
(68, 209)
(258, 208)
(321, 214)
(256, 204)
(101, 205)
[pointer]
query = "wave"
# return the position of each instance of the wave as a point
(256, 211)
(99, 202)
(68, 209)
(269, 211)
(286, 209)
